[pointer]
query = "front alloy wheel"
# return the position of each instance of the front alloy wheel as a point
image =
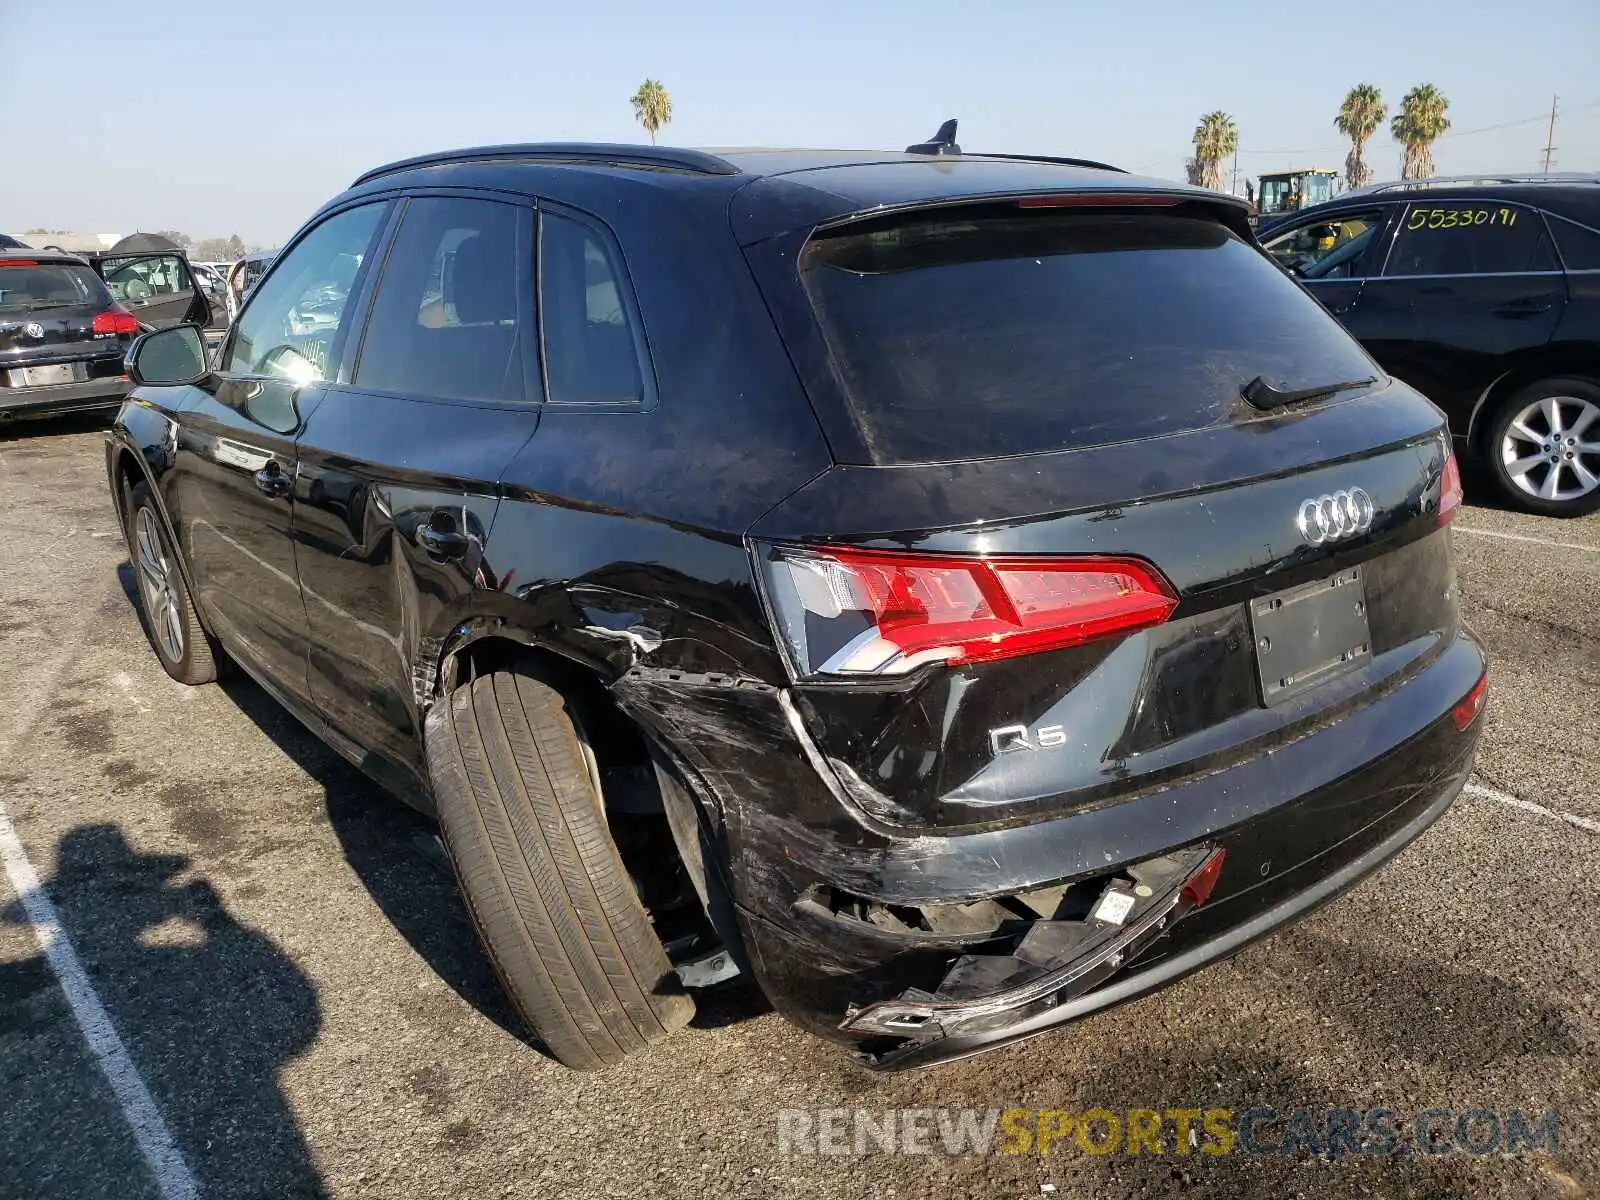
(184, 648)
(1547, 448)
(157, 588)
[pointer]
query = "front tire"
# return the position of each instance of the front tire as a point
(1544, 447)
(524, 823)
(181, 645)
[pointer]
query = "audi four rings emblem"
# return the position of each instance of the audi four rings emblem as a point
(1340, 515)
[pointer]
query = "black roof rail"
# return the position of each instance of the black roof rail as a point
(601, 153)
(1480, 180)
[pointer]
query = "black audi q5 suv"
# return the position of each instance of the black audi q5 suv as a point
(955, 592)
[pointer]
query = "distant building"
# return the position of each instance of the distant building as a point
(74, 242)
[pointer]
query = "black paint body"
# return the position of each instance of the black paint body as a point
(618, 540)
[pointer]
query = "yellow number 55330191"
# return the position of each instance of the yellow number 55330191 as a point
(1459, 218)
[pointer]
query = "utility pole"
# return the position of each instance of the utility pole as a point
(1234, 190)
(1550, 137)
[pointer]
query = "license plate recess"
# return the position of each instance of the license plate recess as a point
(1309, 634)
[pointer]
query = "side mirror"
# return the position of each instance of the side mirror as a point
(173, 355)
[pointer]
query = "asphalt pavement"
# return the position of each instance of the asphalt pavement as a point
(291, 1002)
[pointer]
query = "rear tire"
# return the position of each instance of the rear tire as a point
(1543, 447)
(524, 823)
(182, 646)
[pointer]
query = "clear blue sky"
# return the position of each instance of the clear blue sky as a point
(221, 117)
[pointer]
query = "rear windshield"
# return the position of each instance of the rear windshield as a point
(49, 285)
(969, 336)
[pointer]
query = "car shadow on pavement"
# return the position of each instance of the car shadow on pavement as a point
(210, 1009)
(394, 851)
(40, 428)
(397, 855)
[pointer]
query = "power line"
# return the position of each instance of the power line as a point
(1550, 137)
(1454, 133)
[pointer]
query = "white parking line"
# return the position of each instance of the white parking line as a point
(1522, 537)
(171, 1173)
(1499, 797)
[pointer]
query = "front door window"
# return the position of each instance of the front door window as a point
(290, 328)
(1331, 248)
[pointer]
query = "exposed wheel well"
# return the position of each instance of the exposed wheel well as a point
(127, 475)
(644, 814)
(617, 741)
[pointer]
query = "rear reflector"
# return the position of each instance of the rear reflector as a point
(848, 613)
(1198, 888)
(1467, 709)
(1450, 493)
(115, 321)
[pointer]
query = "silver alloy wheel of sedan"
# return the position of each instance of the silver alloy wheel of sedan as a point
(158, 588)
(1562, 462)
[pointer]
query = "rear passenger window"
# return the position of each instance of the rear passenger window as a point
(1579, 245)
(449, 313)
(591, 350)
(1461, 238)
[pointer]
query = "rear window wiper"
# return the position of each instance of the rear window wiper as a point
(1261, 393)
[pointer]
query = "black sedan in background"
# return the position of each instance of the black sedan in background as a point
(62, 336)
(1484, 295)
(956, 592)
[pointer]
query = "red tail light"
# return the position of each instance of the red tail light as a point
(850, 613)
(1469, 706)
(1450, 493)
(18, 262)
(1198, 889)
(115, 321)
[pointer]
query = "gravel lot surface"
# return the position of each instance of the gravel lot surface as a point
(295, 981)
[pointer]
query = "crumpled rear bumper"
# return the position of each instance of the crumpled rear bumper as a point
(898, 996)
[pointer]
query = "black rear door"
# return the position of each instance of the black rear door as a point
(400, 462)
(1468, 287)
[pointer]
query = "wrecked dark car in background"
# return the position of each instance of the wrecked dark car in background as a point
(957, 592)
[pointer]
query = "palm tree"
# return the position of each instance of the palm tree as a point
(1362, 112)
(652, 106)
(1419, 122)
(1215, 138)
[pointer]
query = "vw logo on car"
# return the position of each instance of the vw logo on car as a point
(1337, 515)
(33, 329)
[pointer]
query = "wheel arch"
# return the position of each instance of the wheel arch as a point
(128, 468)
(617, 733)
(1552, 363)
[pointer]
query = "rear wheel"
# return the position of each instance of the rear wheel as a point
(180, 643)
(1544, 447)
(522, 816)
